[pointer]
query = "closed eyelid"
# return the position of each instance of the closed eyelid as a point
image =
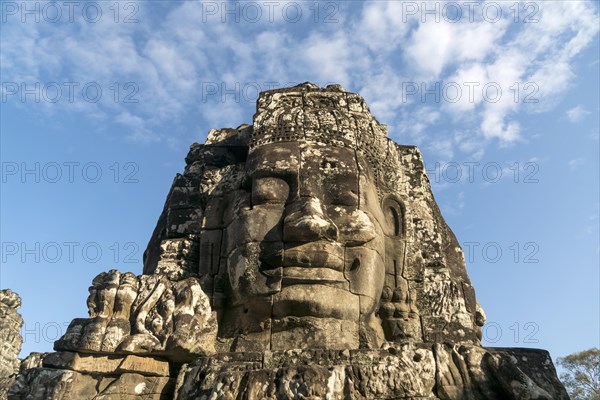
(266, 173)
(264, 180)
(270, 190)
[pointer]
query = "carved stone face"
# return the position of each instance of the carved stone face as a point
(312, 228)
(312, 258)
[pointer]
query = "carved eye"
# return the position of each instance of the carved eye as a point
(269, 190)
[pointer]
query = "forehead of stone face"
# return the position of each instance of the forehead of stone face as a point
(274, 159)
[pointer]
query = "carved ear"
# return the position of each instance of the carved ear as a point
(398, 312)
(393, 211)
(394, 228)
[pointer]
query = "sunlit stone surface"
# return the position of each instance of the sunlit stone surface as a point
(302, 257)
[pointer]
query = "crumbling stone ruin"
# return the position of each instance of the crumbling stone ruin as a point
(301, 257)
(10, 339)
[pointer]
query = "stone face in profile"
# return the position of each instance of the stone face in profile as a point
(303, 256)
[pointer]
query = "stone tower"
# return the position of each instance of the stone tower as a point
(303, 256)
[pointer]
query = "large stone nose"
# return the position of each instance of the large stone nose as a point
(305, 221)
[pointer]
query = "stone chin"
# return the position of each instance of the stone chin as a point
(313, 313)
(323, 302)
(317, 281)
(313, 283)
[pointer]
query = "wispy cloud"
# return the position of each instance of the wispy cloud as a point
(577, 113)
(455, 208)
(175, 54)
(576, 163)
(592, 223)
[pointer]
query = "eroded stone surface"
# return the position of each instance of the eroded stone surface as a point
(303, 256)
(101, 364)
(395, 372)
(465, 372)
(314, 198)
(62, 384)
(403, 372)
(143, 315)
(10, 339)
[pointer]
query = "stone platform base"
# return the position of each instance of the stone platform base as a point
(77, 376)
(435, 371)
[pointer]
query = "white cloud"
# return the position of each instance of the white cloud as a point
(456, 206)
(436, 46)
(429, 49)
(173, 68)
(415, 122)
(382, 25)
(468, 78)
(172, 52)
(327, 58)
(577, 113)
(443, 147)
(576, 163)
(470, 143)
(383, 92)
(139, 129)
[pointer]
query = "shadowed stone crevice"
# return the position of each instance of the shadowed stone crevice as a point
(302, 256)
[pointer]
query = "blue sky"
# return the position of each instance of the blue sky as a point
(101, 101)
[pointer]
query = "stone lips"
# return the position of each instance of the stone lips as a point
(301, 256)
(314, 263)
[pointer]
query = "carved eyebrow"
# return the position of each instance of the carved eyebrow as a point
(274, 163)
(280, 169)
(337, 170)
